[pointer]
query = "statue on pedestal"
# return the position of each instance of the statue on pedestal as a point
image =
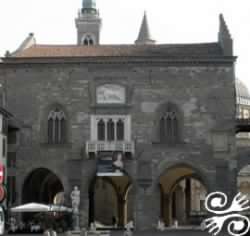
(75, 200)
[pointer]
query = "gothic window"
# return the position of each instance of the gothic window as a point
(120, 130)
(101, 130)
(56, 127)
(88, 40)
(169, 127)
(111, 130)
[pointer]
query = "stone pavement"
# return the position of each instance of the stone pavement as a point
(150, 233)
(167, 233)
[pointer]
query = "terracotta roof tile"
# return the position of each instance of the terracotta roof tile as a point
(160, 50)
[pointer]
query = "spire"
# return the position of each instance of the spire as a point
(224, 37)
(144, 36)
(89, 6)
(28, 42)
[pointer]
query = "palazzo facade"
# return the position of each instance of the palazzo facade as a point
(144, 130)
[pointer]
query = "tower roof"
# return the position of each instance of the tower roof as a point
(144, 36)
(88, 4)
(224, 37)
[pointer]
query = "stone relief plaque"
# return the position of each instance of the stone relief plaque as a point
(111, 94)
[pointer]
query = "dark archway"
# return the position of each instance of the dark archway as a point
(41, 186)
(182, 196)
(109, 201)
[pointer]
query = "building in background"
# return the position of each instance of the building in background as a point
(144, 130)
(8, 127)
(243, 139)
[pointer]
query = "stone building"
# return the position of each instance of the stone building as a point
(243, 139)
(144, 130)
(8, 129)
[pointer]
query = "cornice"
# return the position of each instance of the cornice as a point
(122, 60)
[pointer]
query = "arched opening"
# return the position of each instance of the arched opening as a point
(41, 186)
(111, 204)
(243, 180)
(88, 40)
(182, 196)
(106, 202)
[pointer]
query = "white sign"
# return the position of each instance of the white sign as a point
(111, 94)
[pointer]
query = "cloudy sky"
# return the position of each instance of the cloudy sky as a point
(171, 21)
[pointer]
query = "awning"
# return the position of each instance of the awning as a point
(38, 207)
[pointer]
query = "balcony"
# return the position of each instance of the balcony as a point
(113, 146)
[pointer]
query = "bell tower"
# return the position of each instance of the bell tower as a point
(88, 24)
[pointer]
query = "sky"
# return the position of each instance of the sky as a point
(170, 21)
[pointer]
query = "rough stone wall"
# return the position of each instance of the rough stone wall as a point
(204, 94)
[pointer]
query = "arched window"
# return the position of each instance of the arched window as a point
(56, 127)
(120, 130)
(101, 130)
(111, 130)
(169, 126)
(88, 40)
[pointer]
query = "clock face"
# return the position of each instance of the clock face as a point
(111, 94)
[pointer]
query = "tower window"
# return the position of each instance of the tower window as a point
(56, 127)
(88, 40)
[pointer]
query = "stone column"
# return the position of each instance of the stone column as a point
(91, 210)
(121, 203)
(147, 208)
(180, 204)
(84, 212)
(188, 197)
(166, 209)
(222, 177)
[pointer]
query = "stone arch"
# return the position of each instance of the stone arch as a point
(121, 186)
(41, 185)
(176, 185)
(197, 169)
(44, 122)
(162, 109)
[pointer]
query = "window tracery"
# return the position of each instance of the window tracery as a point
(169, 126)
(56, 127)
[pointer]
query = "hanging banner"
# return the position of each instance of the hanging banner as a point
(110, 165)
(2, 174)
